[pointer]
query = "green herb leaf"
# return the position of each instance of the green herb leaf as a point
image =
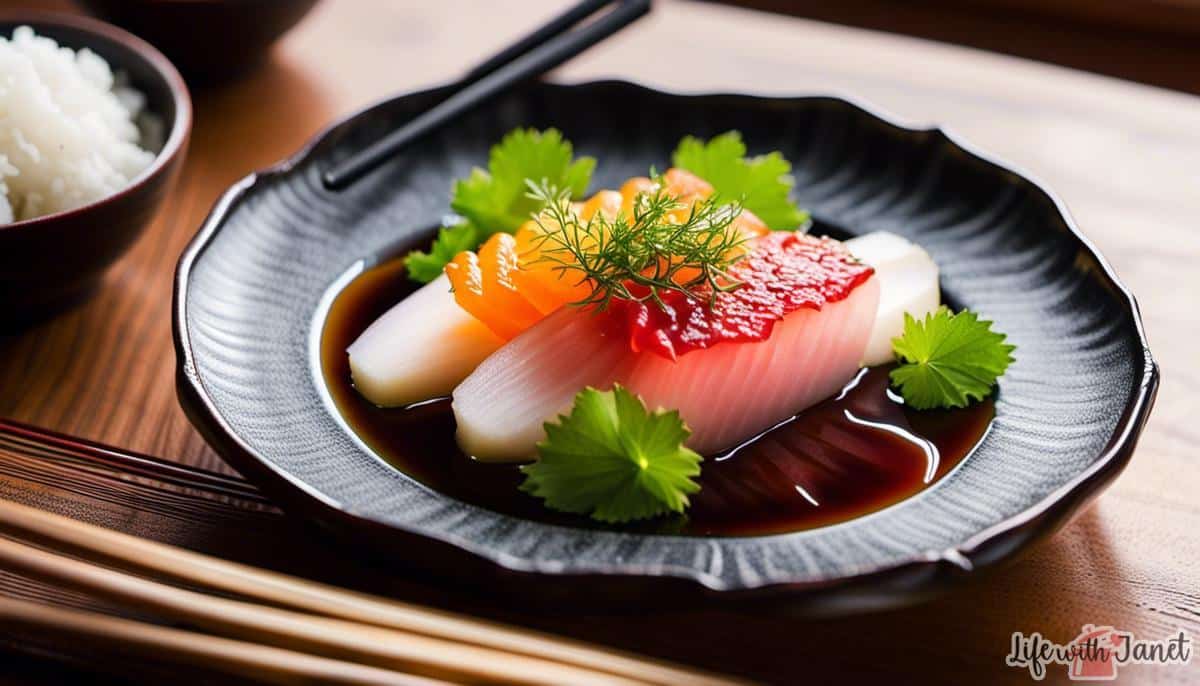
(495, 200)
(451, 240)
(948, 360)
(762, 183)
(614, 460)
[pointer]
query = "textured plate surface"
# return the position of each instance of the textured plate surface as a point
(252, 288)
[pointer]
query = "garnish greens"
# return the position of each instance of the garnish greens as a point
(761, 183)
(660, 248)
(948, 360)
(612, 459)
(451, 240)
(496, 200)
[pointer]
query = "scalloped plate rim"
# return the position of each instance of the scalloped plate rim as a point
(921, 572)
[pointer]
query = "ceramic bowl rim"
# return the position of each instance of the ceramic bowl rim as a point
(150, 56)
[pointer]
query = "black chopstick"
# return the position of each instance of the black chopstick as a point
(535, 54)
(575, 14)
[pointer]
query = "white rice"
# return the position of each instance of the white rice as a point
(68, 132)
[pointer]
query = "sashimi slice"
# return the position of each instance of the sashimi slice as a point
(726, 394)
(541, 281)
(424, 348)
(546, 288)
(727, 391)
(483, 285)
(500, 407)
(606, 203)
(509, 284)
(420, 349)
(908, 282)
(731, 392)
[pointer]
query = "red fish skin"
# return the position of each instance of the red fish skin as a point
(783, 272)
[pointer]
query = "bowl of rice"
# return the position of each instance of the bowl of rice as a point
(93, 127)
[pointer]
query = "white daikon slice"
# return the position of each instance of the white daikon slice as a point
(908, 282)
(420, 349)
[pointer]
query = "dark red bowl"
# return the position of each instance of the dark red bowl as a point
(53, 260)
(210, 40)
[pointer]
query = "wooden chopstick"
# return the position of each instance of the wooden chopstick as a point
(195, 569)
(334, 638)
(161, 644)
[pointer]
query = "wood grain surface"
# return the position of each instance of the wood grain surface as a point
(1148, 41)
(1124, 157)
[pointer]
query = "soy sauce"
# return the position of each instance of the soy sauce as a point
(850, 455)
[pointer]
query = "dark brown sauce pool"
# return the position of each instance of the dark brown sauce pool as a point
(848, 456)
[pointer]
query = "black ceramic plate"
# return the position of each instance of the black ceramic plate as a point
(252, 289)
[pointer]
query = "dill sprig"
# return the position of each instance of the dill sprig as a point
(643, 256)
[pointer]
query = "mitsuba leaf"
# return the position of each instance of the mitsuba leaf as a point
(763, 183)
(948, 360)
(496, 199)
(612, 459)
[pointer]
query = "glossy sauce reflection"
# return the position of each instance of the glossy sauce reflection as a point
(850, 455)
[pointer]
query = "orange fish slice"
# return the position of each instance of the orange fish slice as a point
(607, 203)
(543, 282)
(483, 285)
(631, 189)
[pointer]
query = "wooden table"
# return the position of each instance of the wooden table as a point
(1125, 158)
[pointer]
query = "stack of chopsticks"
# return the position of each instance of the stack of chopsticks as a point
(267, 627)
